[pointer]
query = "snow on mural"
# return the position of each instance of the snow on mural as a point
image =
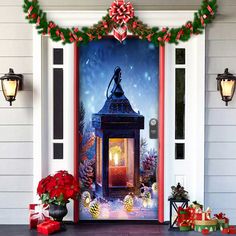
(118, 155)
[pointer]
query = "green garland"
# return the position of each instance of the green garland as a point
(157, 36)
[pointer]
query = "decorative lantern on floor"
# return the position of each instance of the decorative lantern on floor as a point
(179, 198)
(117, 129)
(226, 85)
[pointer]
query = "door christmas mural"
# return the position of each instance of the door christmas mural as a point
(118, 125)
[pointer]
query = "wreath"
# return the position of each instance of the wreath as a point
(120, 19)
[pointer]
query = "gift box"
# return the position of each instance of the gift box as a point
(196, 205)
(202, 215)
(223, 221)
(183, 215)
(211, 225)
(38, 213)
(229, 230)
(48, 227)
(192, 216)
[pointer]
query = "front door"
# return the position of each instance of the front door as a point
(118, 129)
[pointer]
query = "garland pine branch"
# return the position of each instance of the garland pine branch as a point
(203, 17)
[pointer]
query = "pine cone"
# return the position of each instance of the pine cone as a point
(150, 160)
(87, 172)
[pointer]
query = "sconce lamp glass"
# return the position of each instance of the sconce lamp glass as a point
(11, 83)
(226, 85)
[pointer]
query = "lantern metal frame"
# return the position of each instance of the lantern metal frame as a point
(174, 205)
(223, 77)
(11, 76)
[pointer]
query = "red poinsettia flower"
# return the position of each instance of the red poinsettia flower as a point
(58, 188)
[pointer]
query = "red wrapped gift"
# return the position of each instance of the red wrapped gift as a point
(38, 213)
(202, 215)
(48, 227)
(232, 230)
(183, 215)
(205, 231)
(192, 215)
(225, 231)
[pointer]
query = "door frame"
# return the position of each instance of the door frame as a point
(70, 18)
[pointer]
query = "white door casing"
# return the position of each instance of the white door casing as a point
(190, 171)
(192, 168)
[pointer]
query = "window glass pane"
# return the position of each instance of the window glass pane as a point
(121, 162)
(180, 104)
(58, 103)
(58, 56)
(180, 56)
(179, 151)
(58, 151)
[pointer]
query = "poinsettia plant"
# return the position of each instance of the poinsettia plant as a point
(58, 188)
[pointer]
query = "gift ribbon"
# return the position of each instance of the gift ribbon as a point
(30, 10)
(121, 12)
(210, 10)
(40, 212)
(120, 33)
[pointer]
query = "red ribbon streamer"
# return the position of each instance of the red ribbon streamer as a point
(180, 33)
(51, 26)
(30, 10)
(38, 21)
(203, 19)
(210, 10)
(120, 33)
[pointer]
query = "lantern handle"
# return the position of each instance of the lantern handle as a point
(114, 77)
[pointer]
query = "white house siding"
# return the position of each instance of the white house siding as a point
(16, 176)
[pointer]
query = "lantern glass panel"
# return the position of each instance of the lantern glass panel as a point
(10, 87)
(227, 87)
(121, 162)
(99, 160)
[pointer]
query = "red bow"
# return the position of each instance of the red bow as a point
(51, 25)
(121, 12)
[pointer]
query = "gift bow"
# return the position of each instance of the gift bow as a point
(220, 216)
(121, 12)
(40, 212)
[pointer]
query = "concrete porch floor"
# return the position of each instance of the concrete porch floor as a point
(100, 229)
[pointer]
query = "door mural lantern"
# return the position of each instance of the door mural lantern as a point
(118, 154)
(117, 129)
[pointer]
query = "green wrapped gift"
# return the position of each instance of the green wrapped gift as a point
(184, 226)
(211, 225)
(223, 221)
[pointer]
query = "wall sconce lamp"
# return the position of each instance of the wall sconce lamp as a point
(11, 84)
(226, 85)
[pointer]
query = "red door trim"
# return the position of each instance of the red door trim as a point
(76, 126)
(161, 136)
(161, 131)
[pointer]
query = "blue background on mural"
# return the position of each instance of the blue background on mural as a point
(139, 61)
